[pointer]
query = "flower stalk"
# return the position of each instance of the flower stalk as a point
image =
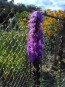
(35, 44)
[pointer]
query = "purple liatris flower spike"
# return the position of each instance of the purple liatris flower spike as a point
(36, 38)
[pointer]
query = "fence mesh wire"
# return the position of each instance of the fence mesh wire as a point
(15, 70)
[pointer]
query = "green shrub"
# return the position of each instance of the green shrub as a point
(13, 56)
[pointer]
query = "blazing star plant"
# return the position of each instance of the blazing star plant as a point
(35, 37)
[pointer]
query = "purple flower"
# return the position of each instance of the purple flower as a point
(36, 38)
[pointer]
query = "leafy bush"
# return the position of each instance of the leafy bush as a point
(13, 56)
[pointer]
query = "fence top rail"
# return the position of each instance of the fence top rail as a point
(45, 14)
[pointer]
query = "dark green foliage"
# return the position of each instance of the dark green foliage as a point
(32, 8)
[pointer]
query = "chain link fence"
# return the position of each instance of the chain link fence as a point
(14, 64)
(15, 69)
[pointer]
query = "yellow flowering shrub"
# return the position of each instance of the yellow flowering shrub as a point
(52, 25)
